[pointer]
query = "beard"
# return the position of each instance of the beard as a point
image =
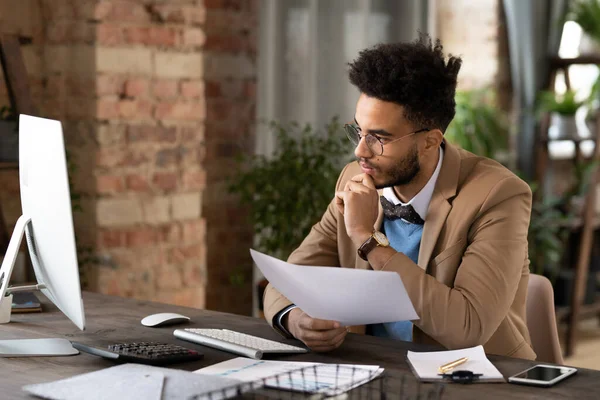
(403, 172)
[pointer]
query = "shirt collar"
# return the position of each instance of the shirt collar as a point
(422, 199)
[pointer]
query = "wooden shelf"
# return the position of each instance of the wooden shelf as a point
(586, 310)
(588, 222)
(8, 165)
(581, 60)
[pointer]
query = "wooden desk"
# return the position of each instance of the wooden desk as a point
(113, 319)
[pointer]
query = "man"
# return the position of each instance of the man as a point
(453, 225)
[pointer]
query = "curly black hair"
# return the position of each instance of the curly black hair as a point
(414, 75)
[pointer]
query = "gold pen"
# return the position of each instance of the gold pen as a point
(447, 367)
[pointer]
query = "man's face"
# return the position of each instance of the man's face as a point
(399, 164)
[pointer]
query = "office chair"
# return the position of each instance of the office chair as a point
(541, 320)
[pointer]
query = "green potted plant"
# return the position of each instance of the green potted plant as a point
(550, 238)
(478, 125)
(586, 13)
(288, 191)
(562, 109)
(592, 105)
(575, 196)
(9, 136)
(547, 236)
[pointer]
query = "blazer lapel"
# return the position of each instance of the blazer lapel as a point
(439, 207)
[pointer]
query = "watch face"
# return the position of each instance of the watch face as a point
(381, 239)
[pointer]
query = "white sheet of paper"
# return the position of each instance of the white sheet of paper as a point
(136, 381)
(349, 296)
(331, 379)
(426, 364)
(130, 385)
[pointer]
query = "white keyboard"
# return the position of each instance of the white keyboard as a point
(235, 342)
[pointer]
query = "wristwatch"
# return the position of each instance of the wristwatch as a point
(376, 239)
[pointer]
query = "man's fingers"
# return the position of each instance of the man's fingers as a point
(328, 346)
(337, 341)
(339, 202)
(315, 324)
(320, 335)
(339, 338)
(364, 179)
(356, 187)
(342, 334)
(323, 336)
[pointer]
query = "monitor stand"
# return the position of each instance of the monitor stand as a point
(25, 347)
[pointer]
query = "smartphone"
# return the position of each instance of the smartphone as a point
(542, 375)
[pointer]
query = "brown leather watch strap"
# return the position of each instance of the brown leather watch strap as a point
(366, 247)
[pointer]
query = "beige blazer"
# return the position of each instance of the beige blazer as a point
(470, 284)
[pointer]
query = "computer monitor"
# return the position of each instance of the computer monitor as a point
(47, 220)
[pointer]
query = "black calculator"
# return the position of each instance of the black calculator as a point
(151, 353)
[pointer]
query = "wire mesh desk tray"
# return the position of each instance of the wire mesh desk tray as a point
(330, 381)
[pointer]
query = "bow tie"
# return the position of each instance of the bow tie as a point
(407, 212)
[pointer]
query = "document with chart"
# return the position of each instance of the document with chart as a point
(349, 296)
(329, 379)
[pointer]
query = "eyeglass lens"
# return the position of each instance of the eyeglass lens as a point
(373, 143)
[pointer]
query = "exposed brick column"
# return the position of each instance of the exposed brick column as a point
(148, 170)
(230, 59)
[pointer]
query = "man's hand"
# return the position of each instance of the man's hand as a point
(318, 334)
(359, 204)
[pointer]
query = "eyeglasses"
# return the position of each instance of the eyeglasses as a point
(374, 143)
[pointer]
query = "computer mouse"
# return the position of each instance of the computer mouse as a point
(163, 319)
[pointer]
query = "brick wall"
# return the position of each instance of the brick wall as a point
(149, 177)
(156, 98)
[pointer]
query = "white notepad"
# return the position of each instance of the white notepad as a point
(425, 364)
